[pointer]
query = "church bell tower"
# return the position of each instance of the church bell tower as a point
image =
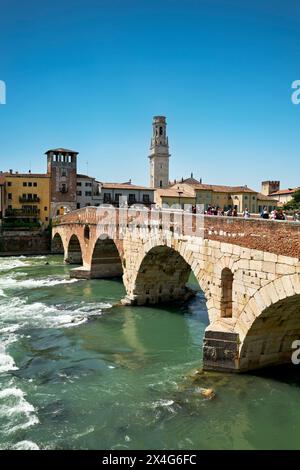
(159, 154)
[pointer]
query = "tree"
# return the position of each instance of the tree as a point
(293, 204)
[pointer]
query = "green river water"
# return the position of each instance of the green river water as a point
(77, 372)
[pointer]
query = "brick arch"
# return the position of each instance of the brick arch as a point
(57, 245)
(75, 250)
(63, 235)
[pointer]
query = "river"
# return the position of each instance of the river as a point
(79, 372)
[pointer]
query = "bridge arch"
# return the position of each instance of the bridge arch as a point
(269, 324)
(161, 276)
(57, 245)
(74, 250)
(106, 259)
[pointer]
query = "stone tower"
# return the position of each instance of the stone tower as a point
(159, 154)
(269, 187)
(62, 168)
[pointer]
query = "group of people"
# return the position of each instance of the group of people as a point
(276, 214)
(216, 210)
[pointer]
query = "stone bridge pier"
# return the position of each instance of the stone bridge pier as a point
(248, 270)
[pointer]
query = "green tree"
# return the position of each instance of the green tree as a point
(293, 204)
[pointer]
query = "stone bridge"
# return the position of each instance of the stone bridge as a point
(248, 270)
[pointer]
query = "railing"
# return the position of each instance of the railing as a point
(29, 200)
(30, 212)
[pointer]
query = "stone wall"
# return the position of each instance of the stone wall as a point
(24, 242)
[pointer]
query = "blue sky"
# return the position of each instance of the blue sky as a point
(90, 74)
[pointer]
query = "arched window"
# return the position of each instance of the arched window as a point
(226, 295)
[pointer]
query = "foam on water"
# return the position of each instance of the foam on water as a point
(12, 282)
(25, 445)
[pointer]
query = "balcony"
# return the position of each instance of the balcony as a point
(29, 200)
(28, 212)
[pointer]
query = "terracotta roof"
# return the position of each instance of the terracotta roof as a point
(173, 192)
(285, 191)
(85, 176)
(263, 197)
(61, 150)
(219, 188)
(26, 175)
(124, 186)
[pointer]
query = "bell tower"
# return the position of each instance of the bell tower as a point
(62, 169)
(159, 154)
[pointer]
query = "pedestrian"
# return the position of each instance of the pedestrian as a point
(246, 213)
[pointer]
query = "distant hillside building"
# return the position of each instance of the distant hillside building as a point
(282, 196)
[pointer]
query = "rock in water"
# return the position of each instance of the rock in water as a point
(207, 392)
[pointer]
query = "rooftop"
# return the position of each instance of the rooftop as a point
(285, 191)
(61, 150)
(215, 187)
(263, 197)
(124, 186)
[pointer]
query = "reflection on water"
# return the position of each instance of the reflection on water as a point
(106, 376)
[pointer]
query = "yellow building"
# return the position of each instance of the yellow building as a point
(27, 196)
(174, 196)
(240, 197)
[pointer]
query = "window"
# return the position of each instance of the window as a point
(117, 196)
(63, 173)
(78, 183)
(88, 193)
(30, 184)
(253, 197)
(35, 185)
(87, 204)
(46, 219)
(88, 185)
(9, 207)
(45, 208)
(160, 131)
(131, 198)
(78, 193)
(9, 183)
(246, 197)
(78, 205)
(9, 196)
(63, 188)
(106, 198)
(24, 183)
(35, 196)
(24, 196)
(29, 196)
(146, 198)
(160, 184)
